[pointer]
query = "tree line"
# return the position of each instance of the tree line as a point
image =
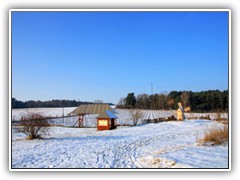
(53, 103)
(204, 101)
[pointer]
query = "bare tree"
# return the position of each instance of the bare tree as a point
(185, 98)
(170, 103)
(136, 115)
(162, 98)
(143, 101)
(121, 103)
(34, 125)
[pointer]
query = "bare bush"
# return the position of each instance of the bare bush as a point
(136, 116)
(215, 136)
(34, 125)
(221, 119)
(185, 96)
(206, 117)
(171, 118)
(218, 116)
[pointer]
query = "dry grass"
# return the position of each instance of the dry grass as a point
(215, 136)
(225, 121)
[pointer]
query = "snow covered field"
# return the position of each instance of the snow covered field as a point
(52, 112)
(155, 145)
(124, 116)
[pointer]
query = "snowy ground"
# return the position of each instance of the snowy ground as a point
(154, 145)
(52, 112)
(124, 116)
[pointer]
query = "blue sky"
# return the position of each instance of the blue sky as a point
(105, 55)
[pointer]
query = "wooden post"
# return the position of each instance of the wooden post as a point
(80, 120)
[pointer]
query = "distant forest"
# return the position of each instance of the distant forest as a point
(53, 103)
(204, 101)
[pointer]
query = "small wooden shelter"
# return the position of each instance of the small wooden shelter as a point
(106, 121)
(84, 109)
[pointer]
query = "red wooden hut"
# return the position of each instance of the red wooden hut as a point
(106, 121)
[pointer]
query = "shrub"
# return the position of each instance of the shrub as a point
(207, 117)
(34, 125)
(136, 116)
(218, 116)
(215, 136)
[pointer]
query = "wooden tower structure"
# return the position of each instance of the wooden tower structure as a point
(180, 112)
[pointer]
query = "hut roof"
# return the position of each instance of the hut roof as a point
(107, 114)
(92, 109)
